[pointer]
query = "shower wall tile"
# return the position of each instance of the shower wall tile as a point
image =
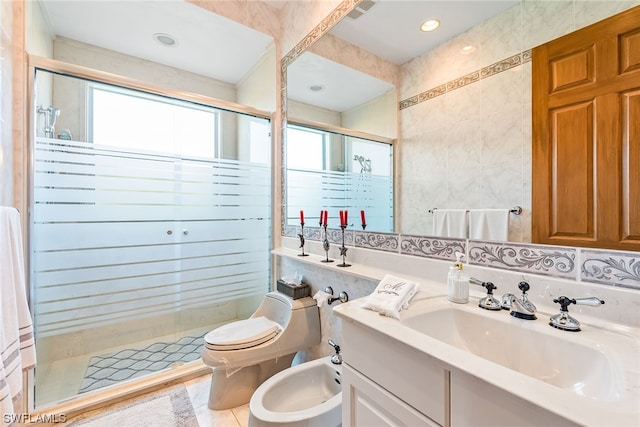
(588, 12)
(613, 268)
(545, 20)
(500, 36)
(554, 261)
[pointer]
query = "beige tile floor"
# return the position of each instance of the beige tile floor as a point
(198, 390)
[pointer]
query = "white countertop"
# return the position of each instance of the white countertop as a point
(582, 410)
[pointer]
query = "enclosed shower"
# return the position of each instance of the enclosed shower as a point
(148, 229)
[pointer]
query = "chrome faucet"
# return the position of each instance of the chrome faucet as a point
(521, 308)
(336, 359)
(488, 302)
(563, 320)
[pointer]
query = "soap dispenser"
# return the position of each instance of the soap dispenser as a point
(458, 282)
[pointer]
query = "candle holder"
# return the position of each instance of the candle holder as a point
(364, 226)
(325, 245)
(301, 236)
(343, 250)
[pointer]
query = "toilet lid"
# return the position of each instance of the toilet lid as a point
(242, 334)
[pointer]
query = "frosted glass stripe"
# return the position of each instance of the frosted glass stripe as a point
(121, 236)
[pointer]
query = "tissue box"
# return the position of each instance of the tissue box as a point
(292, 290)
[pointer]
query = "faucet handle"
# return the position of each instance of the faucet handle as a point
(488, 302)
(524, 287)
(593, 301)
(563, 320)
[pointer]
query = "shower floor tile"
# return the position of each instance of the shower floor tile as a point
(111, 368)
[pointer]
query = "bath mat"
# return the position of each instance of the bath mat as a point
(166, 408)
(111, 368)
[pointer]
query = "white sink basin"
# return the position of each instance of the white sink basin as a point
(585, 363)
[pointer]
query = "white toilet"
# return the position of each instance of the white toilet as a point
(245, 353)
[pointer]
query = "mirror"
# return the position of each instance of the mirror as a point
(464, 91)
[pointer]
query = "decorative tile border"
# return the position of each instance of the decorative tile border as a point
(290, 230)
(611, 268)
(605, 267)
(431, 247)
(557, 261)
(380, 241)
(473, 77)
(342, 10)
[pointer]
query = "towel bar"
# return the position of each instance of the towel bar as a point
(516, 210)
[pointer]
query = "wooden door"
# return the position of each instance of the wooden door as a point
(586, 136)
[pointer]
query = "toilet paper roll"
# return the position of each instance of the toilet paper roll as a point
(321, 298)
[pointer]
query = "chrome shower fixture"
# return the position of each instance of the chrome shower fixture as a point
(51, 114)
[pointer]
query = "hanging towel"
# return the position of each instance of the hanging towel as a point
(450, 223)
(489, 224)
(392, 295)
(17, 349)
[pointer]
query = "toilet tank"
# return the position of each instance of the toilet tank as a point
(299, 317)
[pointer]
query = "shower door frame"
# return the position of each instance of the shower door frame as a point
(82, 403)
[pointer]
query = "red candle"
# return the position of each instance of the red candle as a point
(362, 217)
(301, 217)
(346, 213)
(321, 217)
(326, 217)
(341, 217)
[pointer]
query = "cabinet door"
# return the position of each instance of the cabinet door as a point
(364, 403)
(586, 136)
(476, 403)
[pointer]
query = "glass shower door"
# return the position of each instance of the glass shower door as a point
(138, 251)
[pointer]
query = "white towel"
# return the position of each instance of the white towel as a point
(450, 223)
(17, 349)
(392, 295)
(489, 224)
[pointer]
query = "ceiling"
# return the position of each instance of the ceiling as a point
(220, 48)
(207, 44)
(391, 28)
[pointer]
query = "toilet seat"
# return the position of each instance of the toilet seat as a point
(242, 334)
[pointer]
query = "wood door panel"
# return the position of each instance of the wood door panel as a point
(631, 166)
(575, 69)
(629, 45)
(572, 201)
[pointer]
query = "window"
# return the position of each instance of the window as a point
(306, 148)
(148, 123)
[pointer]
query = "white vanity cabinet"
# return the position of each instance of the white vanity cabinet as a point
(365, 403)
(475, 402)
(386, 382)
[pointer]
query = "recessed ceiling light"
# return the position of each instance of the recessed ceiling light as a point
(165, 39)
(429, 25)
(468, 49)
(316, 88)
